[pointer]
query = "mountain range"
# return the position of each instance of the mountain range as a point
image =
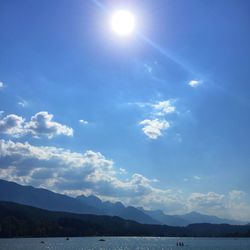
(18, 220)
(45, 199)
(189, 218)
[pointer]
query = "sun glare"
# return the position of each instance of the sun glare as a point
(123, 22)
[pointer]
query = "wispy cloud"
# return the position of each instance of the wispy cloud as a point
(196, 177)
(148, 68)
(193, 178)
(40, 125)
(178, 138)
(23, 103)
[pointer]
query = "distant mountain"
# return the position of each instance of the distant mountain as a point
(187, 219)
(25, 221)
(152, 216)
(164, 219)
(42, 198)
(195, 217)
(117, 209)
(45, 199)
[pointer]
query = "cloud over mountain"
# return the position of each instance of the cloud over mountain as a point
(91, 172)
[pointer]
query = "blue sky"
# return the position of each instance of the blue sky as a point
(158, 119)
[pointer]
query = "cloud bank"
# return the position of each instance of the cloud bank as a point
(91, 172)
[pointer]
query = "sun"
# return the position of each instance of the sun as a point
(123, 22)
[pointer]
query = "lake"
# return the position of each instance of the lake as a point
(125, 243)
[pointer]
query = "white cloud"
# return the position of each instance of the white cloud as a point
(237, 205)
(153, 128)
(164, 107)
(1, 85)
(204, 199)
(157, 123)
(210, 202)
(159, 108)
(75, 173)
(84, 122)
(91, 172)
(232, 205)
(194, 83)
(40, 125)
(12, 125)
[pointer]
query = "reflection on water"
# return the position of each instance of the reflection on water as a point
(125, 243)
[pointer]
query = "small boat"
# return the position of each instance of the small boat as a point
(42, 242)
(67, 238)
(101, 240)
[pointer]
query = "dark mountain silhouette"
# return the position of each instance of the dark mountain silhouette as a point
(118, 209)
(42, 198)
(25, 221)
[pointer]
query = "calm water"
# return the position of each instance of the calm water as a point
(124, 243)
